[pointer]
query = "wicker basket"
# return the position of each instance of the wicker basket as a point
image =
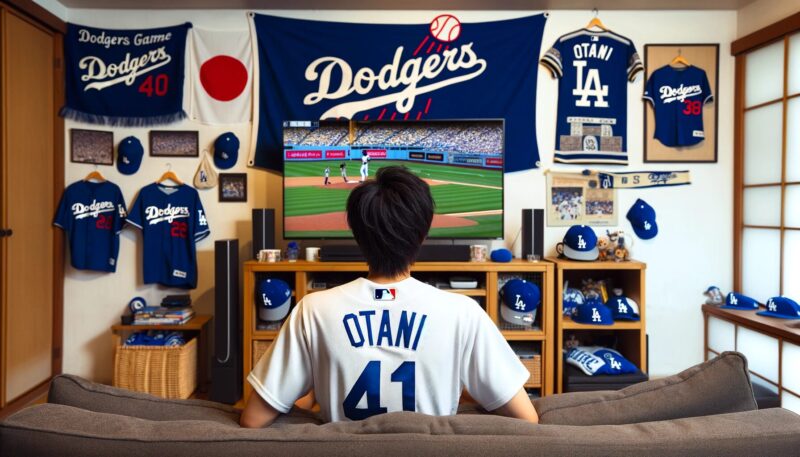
(259, 348)
(534, 366)
(165, 371)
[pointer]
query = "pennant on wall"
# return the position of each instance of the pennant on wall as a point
(446, 69)
(222, 68)
(125, 77)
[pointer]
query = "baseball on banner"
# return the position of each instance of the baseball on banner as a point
(445, 27)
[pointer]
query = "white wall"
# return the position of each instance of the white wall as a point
(692, 251)
(762, 13)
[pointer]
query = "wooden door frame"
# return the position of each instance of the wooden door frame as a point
(42, 18)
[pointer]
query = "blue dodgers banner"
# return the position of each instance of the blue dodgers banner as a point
(125, 77)
(311, 70)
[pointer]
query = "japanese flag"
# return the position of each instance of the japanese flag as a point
(222, 77)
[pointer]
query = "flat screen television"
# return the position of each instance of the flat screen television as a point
(462, 161)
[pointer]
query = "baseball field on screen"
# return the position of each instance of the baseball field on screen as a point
(469, 200)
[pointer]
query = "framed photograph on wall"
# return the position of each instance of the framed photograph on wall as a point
(174, 143)
(685, 129)
(91, 146)
(233, 187)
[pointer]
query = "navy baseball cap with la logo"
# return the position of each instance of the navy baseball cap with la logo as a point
(520, 301)
(623, 308)
(580, 243)
(226, 150)
(129, 155)
(593, 314)
(781, 307)
(643, 220)
(740, 302)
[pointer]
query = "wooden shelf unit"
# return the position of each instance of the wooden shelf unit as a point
(628, 275)
(300, 274)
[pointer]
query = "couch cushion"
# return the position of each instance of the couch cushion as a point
(721, 385)
(51, 429)
(78, 392)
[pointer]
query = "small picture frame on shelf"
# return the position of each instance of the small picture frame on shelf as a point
(233, 187)
(92, 146)
(174, 143)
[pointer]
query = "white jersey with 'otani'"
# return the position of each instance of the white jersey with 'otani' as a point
(367, 348)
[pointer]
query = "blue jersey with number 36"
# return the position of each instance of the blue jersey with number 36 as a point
(172, 220)
(594, 68)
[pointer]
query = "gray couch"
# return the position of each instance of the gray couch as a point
(707, 410)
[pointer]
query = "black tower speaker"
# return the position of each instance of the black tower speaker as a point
(226, 366)
(533, 232)
(263, 229)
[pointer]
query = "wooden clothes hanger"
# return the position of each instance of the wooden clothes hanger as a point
(596, 22)
(95, 175)
(679, 59)
(169, 175)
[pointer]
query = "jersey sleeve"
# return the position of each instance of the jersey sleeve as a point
(491, 372)
(122, 212)
(63, 216)
(650, 89)
(634, 63)
(552, 60)
(135, 216)
(201, 229)
(708, 97)
(283, 374)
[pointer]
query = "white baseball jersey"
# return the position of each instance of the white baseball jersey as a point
(368, 348)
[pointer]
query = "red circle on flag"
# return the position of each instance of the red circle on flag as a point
(223, 77)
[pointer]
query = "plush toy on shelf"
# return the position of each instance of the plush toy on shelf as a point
(713, 296)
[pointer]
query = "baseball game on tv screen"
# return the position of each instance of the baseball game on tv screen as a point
(461, 160)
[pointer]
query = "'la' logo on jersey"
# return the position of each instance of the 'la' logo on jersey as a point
(385, 294)
(590, 88)
(581, 242)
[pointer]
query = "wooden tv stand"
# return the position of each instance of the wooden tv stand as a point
(302, 275)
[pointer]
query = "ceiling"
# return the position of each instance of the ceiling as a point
(534, 5)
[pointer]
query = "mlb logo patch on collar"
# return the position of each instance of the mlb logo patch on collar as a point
(385, 294)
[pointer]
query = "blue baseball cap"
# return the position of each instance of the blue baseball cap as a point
(593, 314)
(129, 155)
(781, 307)
(226, 150)
(520, 301)
(623, 308)
(643, 220)
(597, 360)
(580, 243)
(274, 298)
(740, 302)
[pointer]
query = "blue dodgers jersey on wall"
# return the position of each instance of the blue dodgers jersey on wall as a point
(594, 68)
(92, 215)
(312, 70)
(678, 96)
(172, 220)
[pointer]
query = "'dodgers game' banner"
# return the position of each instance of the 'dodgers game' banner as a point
(446, 69)
(125, 77)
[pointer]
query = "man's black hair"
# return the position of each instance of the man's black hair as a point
(390, 217)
